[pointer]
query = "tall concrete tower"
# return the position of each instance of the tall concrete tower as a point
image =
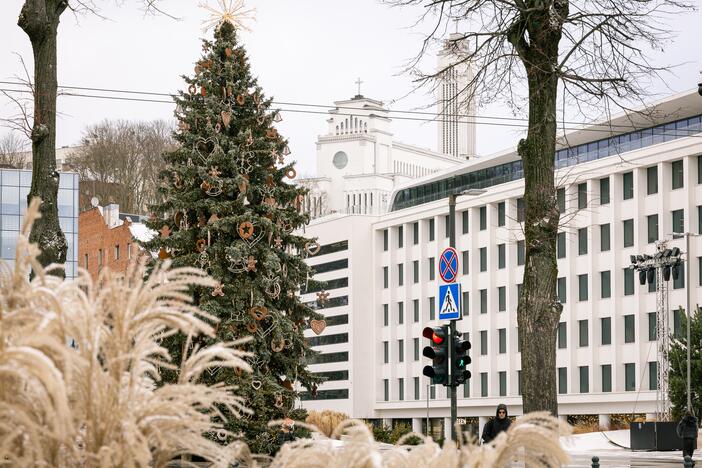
(456, 129)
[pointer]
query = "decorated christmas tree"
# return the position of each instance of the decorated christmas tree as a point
(231, 209)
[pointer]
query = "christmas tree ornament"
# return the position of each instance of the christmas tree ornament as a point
(165, 231)
(244, 162)
(229, 91)
(270, 201)
(203, 261)
(163, 254)
(318, 326)
(203, 91)
(240, 99)
(278, 400)
(214, 171)
(213, 218)
(278, 345)
(273, 287)
(322, 297)
(249, 138)
(177, 181)
(272, 133)
(201, 220)
(286, 150)
(221, 435)
(251, 263)
(181, 219)
(277, 117)
(183, 126)
(288, 384)
(228, 52)
(278, 241)
(218, 290)
(256, 98)
(204, 147)
(290, 173)
(251, 327)
(256, 384)
(198, 69)
(217, 128)
(261, 118)
(246, 201)
(246, 230)
(228, 11)
(312, 247)
(226, 118)
(200, 245)
(236, 265)
(215, 189)
(258, 313)
(266, 332)
(192, 89)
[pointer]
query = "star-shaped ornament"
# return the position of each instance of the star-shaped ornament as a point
(251, 263)
(322, 297)
(218, 290)
(215, 172)
(231, 11)
(165, 231)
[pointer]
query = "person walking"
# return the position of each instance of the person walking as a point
(496, 425)
(687, 431)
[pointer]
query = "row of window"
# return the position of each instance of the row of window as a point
(507, 172)
(583, 374)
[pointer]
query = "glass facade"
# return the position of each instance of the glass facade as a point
(14, 187)
(511, 171)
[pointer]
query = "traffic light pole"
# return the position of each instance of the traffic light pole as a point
(452, 326)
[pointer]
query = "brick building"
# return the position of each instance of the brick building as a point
(108, 239)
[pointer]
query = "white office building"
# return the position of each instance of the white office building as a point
(619, 192)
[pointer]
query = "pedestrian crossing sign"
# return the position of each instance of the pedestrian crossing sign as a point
(450, 301)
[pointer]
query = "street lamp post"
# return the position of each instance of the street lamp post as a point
(452, 326)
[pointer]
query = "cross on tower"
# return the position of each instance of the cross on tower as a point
(359, 82)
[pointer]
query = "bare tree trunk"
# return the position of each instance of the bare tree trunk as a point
(539, 311)
(40, 19)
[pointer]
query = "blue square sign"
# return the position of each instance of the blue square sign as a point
(450, 301)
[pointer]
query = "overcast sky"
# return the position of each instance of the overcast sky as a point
(308, 51)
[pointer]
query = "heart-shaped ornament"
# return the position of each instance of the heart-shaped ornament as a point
(226, 118)
(256, 384)
(318, 326)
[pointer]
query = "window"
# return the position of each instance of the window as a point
(500, 256)
(582, 288)
(629, 377)
(100, 258)
(466, 303)
(520, 210)
(400, 313)
(385, 240)
(678, 221)
(432, 308)
(582, 241)
(415, 343)
(386, 390)
(677, 174)
(465, 222)
(447, 226)
(400, 236)
(386, 315)
(584, 379)
(483, 218)
(652, 223)
(465, 262)
(628, 232)
(501, 214)
(466, 389)
(415, 271)
(699, 270)
(561, 245)
(560, 200)
(583, 339)
(628, 185)
(129, 250)
(606, 377)
(415, 307)
(483, 258)
(652, 180)
(117, 252)
(653, 375)
(606, 331)
(386, 352)
(699, 219)
(502, 340)
(432, 392)
(431, 229)
(502, 378)
(628, 281)
(629, 331)
(699, 169)
(561, 289)
(652, 326)
(562, 336)
(677, 330)
(582, 196)
(483, 384)
(431, 268)
(604, 191)
(483, 301)
(521, 252)
(519, 291)
(679, 282)
(519, 382)
(401, 350)
(85, 265)
(385, 277)
(416, 388)
(415, 233)
(562, 380)
(605, 284)
(400, 274)
(501, 298)
(483, 343)
(604, 238)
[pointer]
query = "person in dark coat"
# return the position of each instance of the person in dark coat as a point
(499, 424)
(687, 431)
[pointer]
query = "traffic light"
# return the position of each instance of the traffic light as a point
(438, 352)
(460, 373)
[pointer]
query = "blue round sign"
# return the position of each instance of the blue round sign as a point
(448, 265)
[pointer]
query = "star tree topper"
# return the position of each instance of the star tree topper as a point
(232, 11)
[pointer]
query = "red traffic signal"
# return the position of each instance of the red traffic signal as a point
(436, 334)
(438, 352)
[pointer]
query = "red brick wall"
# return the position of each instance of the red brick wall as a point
(94, 235)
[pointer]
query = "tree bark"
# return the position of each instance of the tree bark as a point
(40, 19)
(539, 311)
